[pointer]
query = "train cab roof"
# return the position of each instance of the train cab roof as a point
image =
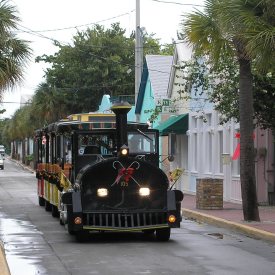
(97, 122)
(62, 127)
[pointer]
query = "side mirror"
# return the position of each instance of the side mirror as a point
(171, 146)
(171, 158)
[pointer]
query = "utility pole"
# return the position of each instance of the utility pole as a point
(138, 51)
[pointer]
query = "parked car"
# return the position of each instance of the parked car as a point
(2, 151)
(1, 162)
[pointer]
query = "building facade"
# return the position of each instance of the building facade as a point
(209, 149)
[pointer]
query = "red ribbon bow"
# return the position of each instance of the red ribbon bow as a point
(125, 173)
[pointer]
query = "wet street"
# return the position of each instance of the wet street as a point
(35, 243)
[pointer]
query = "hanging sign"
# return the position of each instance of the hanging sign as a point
(164, 106)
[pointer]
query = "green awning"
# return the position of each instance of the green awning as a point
(174, 124)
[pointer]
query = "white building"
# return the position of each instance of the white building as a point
(205, 149)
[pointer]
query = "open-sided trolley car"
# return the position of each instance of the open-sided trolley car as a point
(103, 174)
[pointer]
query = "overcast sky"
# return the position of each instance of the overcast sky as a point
(43, 20)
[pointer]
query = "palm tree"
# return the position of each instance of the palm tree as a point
(14, 52)
(48, 105)
(245, 30)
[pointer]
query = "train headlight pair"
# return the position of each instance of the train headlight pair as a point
(102, 192)
(144, 191)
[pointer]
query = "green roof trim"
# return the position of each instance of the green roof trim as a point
(174, 124)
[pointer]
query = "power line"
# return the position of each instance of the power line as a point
(114, 17)
(177, 3)
(30, 31)
(38, 33)
(85, 25)
(13, 102)
(104, 58)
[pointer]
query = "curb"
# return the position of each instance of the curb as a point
(4, 268)
(29, 169)
(241, 228)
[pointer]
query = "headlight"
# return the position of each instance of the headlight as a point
(172, 218)
(144, 191)
(102, 192)
(124, 151)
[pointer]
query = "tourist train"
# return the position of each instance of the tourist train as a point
(98, 172)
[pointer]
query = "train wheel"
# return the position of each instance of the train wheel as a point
(69, 221)
(61, 218)
(61, 221)
(55, 212)
(48, 206)
(62, 214)
(41, 201)
(163, 234)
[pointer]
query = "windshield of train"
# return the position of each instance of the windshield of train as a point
(142, 142)
(95, 144)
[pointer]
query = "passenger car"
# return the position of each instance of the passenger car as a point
(1, 162)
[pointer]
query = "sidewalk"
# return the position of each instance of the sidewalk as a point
(4, 268)
(231, 217)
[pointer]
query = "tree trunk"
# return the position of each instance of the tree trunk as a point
(247, 151)
(271, 197)
(16, 150)
(28, 146)
(23, 150)
(13, 150)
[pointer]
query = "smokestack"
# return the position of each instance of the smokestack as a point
(121, 109)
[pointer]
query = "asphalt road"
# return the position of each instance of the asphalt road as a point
(35, 243)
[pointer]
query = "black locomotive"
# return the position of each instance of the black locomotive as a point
(103, 174)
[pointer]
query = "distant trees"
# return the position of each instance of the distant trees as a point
(2, 135)
(243, 31)
(98, 61)
(47, 105)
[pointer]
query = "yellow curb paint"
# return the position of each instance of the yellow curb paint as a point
(4, 268)
(248, 230)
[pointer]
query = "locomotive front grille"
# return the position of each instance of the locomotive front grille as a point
(126, 221)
